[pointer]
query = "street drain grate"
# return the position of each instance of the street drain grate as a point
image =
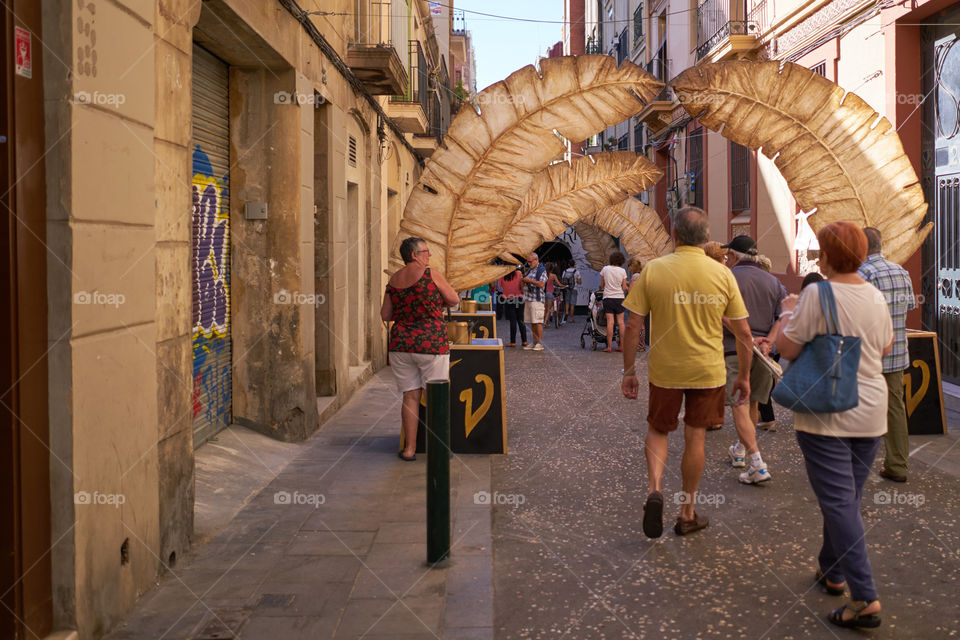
(224, 626)
(275, 601)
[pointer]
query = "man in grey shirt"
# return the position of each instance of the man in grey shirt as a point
(762, 293)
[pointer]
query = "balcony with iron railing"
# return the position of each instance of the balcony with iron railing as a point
(410, 108)
(427, 143)
(724, 29)
(440, 110)
(593, 46)
(622, 46)
(658, 112)
(374, 56)
(761, 15)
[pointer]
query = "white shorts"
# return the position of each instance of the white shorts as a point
(533, 312)
(413, 370)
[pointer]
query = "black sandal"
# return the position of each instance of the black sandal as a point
(868, 621)
(653, 515)
(827, 587)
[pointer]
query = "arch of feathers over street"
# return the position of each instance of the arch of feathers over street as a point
(494, 192)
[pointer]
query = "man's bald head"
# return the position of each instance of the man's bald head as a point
(691, 226)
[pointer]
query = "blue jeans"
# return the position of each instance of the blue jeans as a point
(837, 469)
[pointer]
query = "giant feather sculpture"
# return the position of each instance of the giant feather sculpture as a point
(597, 244)
(563, 193)
(473, 185)
(638, 226)
(835, 152)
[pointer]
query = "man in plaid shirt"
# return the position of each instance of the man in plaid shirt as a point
(534, 282)
(894, 282)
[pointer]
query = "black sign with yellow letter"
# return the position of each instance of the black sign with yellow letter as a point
(478, 411)
(922, 389)
(483, 324)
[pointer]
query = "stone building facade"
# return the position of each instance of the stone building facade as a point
(223, 182)
(896, 56)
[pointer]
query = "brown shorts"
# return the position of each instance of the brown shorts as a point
(703, 407)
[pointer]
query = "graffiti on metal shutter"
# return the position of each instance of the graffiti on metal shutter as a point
(211, 290)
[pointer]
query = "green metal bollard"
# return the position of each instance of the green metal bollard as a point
(438, 470)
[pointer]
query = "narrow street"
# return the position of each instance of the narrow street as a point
(571, 561)
(331, 544)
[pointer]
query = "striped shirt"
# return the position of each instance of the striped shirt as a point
(530, 292)
(893, 281)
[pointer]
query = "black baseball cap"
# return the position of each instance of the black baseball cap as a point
(742, 244)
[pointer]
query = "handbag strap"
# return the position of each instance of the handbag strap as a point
(828, 305)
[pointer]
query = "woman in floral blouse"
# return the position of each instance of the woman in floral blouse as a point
(419, 351)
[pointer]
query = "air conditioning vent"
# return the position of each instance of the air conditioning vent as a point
(352, 151)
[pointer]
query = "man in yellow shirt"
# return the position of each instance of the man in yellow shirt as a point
(686, 295)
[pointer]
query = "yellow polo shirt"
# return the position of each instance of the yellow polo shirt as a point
(686, 294)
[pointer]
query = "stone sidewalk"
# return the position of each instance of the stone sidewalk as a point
(334, 546)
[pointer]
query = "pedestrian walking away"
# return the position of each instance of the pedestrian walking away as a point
(893, 281)
(418, 348)
(571, 280)
(614, 283)
(534, 283)
(554, 291)
(715, 250)
(685, 366)
(636, 266)
(512, 304)
(762, 294)
(839, 448)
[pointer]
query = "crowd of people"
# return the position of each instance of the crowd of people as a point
(710, 308)
(703, 358)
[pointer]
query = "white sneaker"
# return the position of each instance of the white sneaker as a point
(755, 475)
(527, 347)
(538, 347)
(738, 455)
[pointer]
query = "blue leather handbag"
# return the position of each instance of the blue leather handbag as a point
(823, 378)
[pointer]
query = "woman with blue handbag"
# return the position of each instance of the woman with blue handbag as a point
(836, 338)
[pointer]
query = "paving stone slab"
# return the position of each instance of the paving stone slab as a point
(331, 543)
(411, 616)
(391, 583)
(276, 628)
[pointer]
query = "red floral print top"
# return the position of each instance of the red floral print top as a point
(418, 325)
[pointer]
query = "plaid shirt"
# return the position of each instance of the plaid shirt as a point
(894, 282)
(530, 292)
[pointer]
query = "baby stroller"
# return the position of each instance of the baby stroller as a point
(596, 325)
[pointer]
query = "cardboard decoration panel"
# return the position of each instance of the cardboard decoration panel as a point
(922, 385)
(478, 410)
(482, 324)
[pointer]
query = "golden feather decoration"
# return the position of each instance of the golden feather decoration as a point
(563, 193)
(597, 244)
(473, 184)
(638, 226)
(835, 152)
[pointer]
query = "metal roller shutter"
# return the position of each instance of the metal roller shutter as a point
(212, 402)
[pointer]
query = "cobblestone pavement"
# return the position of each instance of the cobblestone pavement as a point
(571, 561)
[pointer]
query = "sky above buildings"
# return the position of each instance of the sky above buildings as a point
(503, 46)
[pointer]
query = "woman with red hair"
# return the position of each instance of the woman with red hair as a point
(839, 448)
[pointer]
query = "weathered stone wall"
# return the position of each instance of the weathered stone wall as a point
(100, 112)
(173, 76)
(120, 273)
